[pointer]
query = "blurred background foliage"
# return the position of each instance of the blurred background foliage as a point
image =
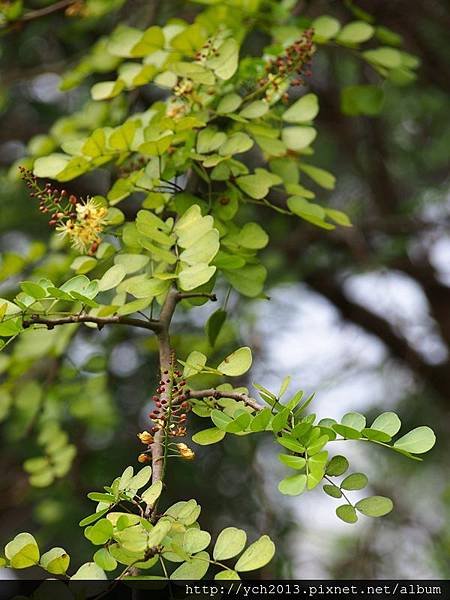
(362, 314)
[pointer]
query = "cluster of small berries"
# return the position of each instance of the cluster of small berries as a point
(293, 65)
(81, 221)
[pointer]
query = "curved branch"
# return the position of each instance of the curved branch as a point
(46, 10)
(50, 323)
(213, 393)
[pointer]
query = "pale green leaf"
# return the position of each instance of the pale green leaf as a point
(237, 363)
(230, 542)
(303, 110)
(375, 506)
(55, 561)
(257, 555)
(417, 441)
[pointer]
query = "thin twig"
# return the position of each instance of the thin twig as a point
(185, 295)
(47, 10)
(213, 393)
(99, 321)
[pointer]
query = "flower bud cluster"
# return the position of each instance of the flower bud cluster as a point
(80, 220)
(208, 50)
(169, 414)
(171, 405)
(293, 65)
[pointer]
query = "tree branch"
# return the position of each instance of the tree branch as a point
(213, 393)
(187, 295)
(438, 376)
(99, 321)
(47, 10)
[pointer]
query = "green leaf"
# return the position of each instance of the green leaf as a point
(355, 33)
(248, 280)
(320, 176)
(83, 264)
(389, 58)
(33, 465)
(347, 513)
(208, 140)
(99, 533)
(193, 277)
(347, 432)
(225, 63)
(302, 111)
(354, 420)
(338, 217)
(133, 538)
(153, 227)
(214, 325)
(55, 561)
(298, 138)
(22, 551)
(257, 555)
(261, 420)
(254, 110)
(253, 186)
(159, 532)
(123, 40)
(417, 441)
(338, 465)
(325, 28)
(132, 262)
(294, 462)
(208, 436)
(387, 422)
(195, 540)
(294, 485)
(236, 144)
(290, 443)
(375, 506)
(203, 251)
(253, 236)
(104, 560)
(237, 363)
(125, 478)
(195, 569)
(33, 289)
(332, 491)
(111, 278)
(355, 481)
(101, 497)
(280, 420)
(230, 542)
(194, 363)
(221, 420)
(151, 495)
(308, 211)
(141, 478)
(50, 166)
(362, 100)
(375, 436)
(227, 574)
(229, 104)
(107, 89)
(92, 518)
(89, 571)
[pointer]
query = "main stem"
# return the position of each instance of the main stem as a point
(165, 318)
